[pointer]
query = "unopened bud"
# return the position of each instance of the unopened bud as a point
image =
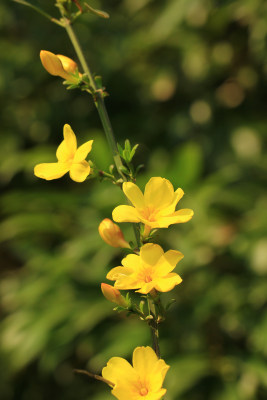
(59, 65)
(114, 295)
(68, 64)
(111, 234)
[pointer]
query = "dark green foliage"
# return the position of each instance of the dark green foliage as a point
(187, 81)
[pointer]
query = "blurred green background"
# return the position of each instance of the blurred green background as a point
(187, 80)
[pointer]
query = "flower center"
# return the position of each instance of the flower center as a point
(149, 213)
(145, 274)
(148, 279)
(143, 391)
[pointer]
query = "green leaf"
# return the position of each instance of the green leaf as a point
(127, 145)
(124, 170)
(126, 155)
(133, 151)
(120, 149)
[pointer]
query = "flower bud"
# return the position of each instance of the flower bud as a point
(59, 65)
(112, 294)
(111, 234)
(69, 65)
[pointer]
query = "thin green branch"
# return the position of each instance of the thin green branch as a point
(40, 11)
(154, 329)
(155, 335)
(94, 376)
(136, 234)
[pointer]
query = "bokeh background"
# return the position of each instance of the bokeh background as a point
(187, 80)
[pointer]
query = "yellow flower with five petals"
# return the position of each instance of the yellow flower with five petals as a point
(155, 208)
(140, 381)
(150, 270)
(70, 159)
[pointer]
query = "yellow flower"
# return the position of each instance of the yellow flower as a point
(151, 270)
(111, 234)
(141, 381)
(114, 295)
(70, 159)
(155, 208)
(59, 65)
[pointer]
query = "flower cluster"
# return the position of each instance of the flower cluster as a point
(150, 269)
(147, 268)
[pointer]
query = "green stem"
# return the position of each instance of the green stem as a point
(98, 99)
(136, 234)
(94, 376)
(155, 336)
(154, 329)
(39, 10)
(157, 303)
(100, 105)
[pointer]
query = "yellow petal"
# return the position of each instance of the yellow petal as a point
(156, 396)
(144, 359)
(150, 253)
(134, 194)
(125, 214)
(150, 224)
(131, 392)
(67, 149)
(119, 370)
(132, 261)
(79, 171)
(184, 214)
(117, 272)
(178, 194)
(149, 367)
(70, 139)
(145, 288)
(167, 284)
(63, 153)
(158, 374)
(122, 392)
(173, 257)
(51, 171)
(83, 151)
(159, 193)
(127, 283)
(168, 262)
(178, 217)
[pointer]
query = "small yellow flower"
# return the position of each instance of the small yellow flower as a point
(114, 295)
(151, 270)
(59, 65)
(141, 381)
(111, 234)
(70, 159)
(155, 208)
